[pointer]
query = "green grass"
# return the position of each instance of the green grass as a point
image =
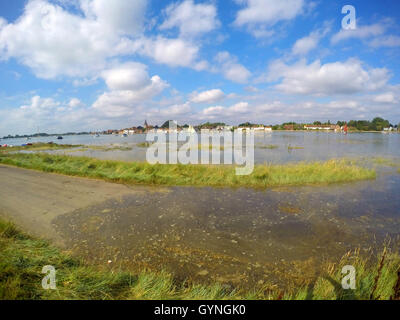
(144, 145)
(23, 257)
(269, 147)
(39, 147)
(386, 162)
(295, 148)
(333, 171)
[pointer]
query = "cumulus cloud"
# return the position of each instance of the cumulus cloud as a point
(387, 97)
(172, 52)
(75, 102)
(130, 88)
(259, 15)
(121, 16)
(347, 77)
(234, 110)
(231, 69)
(129, 76)
(55, 42)
(45, 114)
(39, 104)
(191, 19)
(209, 96)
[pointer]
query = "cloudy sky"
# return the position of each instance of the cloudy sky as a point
(77, 65)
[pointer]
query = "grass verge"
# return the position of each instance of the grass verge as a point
(333, 171)
(23, 257)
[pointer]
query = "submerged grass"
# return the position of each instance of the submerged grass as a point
(105, 148)
(23, 257)
(269, 147)
(295, 148)
(386, 162)
(333, 171)
(39, 147)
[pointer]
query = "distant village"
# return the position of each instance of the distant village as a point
(376, 125)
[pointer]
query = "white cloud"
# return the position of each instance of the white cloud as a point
(231, 69)
(374, 35)
(347, 77)
(234, 110)
(172, 111)
(310, 42)
(210, 96)
(131, 89)
(387, 97)
(129, 76)
(172, 52)
(121, 16)
(74, 103)
(385, 41)
(361, 32)
(191, 19)
(260, 15)
(305, 45)
(39, 104)
(54, 42)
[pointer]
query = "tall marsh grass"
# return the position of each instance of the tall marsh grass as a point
(332, 171)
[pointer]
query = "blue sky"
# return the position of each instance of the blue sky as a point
(77, 65)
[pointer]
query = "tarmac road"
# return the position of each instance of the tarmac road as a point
(33, 199)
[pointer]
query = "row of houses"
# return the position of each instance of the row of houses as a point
(257, 129)
(322, 127)
(189, 129)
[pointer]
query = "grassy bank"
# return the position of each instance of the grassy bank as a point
(333, 171)
(22, 259)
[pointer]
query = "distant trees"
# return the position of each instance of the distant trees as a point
(341, 123)
(209, 125)
(378, 124)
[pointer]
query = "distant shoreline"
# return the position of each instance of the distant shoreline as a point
(88, 133)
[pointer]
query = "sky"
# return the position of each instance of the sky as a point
(90, 65)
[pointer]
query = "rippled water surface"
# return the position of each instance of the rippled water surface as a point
(276, 147)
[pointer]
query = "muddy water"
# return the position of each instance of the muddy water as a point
(238, 237)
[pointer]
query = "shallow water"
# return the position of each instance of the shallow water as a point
(239, 237)
(315, 146)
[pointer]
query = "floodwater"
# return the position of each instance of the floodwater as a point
(242, 237)
(239, 237)
(275, 147)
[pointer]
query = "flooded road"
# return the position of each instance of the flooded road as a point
(239, 237)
